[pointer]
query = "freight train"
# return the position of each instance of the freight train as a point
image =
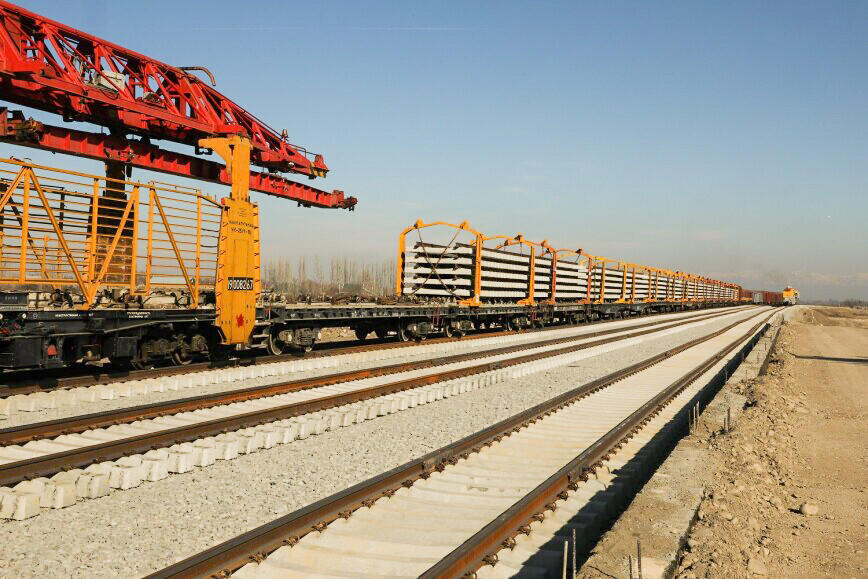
(139, 284)
(788, 297)
(107, 268)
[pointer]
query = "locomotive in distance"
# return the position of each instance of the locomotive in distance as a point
(136, 283)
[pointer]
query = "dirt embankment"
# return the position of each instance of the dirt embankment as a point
(787, 494)
(833, 316)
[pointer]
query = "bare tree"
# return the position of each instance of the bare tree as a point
(374, 279)
(338, 274)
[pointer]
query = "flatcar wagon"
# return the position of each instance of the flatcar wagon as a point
(132, 273)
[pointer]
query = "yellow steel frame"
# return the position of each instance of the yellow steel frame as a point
(633, 268)
(474, 300)
(520, 240)
(601, 297)
(238, 247)
(653, 279)
(559, 255)
(623, 268)
(93, 234)
(553, 269)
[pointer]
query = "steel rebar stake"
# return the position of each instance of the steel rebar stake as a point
(639, 557)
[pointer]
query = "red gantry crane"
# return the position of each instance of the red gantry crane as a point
(55, 68)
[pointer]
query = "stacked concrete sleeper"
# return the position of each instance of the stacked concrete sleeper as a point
(439, 271)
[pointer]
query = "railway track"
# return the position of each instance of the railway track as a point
(29, 382)
(32, 382)
(158, 382)
(475, 505)
(148, 442)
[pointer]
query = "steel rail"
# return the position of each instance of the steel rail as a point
(15, 472)
(229, 556)
(21, 384)
(77, 424)
(473, 553)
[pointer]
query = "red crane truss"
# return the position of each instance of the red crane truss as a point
(48, 66)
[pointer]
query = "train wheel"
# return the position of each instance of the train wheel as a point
(362, 333)
(273, 344)
(403, 334)
(449, 331)
(182, 357)
(381, 333)
(140, 361)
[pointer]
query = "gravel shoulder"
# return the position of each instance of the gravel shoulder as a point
(800, 454)
(140, 530)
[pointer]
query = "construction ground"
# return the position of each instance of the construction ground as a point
(783, 492)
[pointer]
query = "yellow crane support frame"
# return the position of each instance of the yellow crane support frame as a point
(559, 255)
(632, 268)
(477, 268)
(65, 229)
(238, 279)
(601, 261)
(531, 245)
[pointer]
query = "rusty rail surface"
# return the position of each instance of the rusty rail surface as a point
(14, 472)
(225, 558)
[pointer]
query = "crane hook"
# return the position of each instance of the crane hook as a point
(203, 69)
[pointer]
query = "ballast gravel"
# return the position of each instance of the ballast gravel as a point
(138, 531)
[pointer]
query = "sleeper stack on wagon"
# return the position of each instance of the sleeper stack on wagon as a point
(443, 288)
(502, 270)
(135, 278)
(435, 271)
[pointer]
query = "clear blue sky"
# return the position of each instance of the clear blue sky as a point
(729, 139)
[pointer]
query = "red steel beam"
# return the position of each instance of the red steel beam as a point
(142, 154)
(56, 68)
